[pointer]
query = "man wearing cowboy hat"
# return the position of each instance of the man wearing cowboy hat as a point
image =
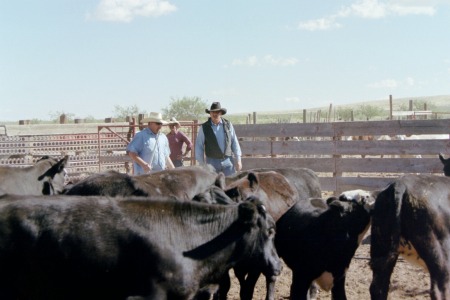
(176, 140)
(217, 143)
(149, 149)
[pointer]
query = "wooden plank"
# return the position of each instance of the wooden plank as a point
(284, 130)
(303, 147)
(364, 183)
(389, 165)
(325, 165)
(256, 148)
(328, 184)
(394, 127)
(418, 147)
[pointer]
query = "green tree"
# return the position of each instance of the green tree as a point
(121, 112)
(344, 113)
(418, 105)
(55, 116)
(370, 111)
(186, 108)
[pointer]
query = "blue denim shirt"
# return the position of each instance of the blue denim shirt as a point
(146, 145)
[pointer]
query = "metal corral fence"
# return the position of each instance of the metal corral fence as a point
(345, 155)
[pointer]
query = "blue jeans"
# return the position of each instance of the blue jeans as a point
(226, 165)
(178, 163)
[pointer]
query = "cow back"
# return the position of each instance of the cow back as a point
(270, 187)
(71, 247)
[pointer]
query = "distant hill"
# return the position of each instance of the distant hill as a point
(440, 104)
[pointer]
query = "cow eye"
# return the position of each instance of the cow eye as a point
(271, 231)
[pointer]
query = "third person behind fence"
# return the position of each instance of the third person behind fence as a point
(176, 140)
(217, 143)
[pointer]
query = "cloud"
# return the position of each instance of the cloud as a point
(370, 9)
(267, 60)
(127, 10)
(319, 24)
(386, 83)
(292, 99)
(392, 83)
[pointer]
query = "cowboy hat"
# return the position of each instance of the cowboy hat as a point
(215, 106)
(173, 121)
(154, 117)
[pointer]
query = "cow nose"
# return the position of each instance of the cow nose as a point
(275, 267)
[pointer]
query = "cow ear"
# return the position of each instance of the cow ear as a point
(331, 199)
(247, 213)
(220, 181)
(253, 180)
(232, 193)
(443, 160)
(55, 169)
(319, 202)
(337, 205)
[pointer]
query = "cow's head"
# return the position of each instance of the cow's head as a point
(244, 188)
(446, 163)
(261, 230)
(53, 174)
(270, 187)
(353, 213)
(365, 198)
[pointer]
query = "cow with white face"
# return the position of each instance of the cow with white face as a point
(46, 177)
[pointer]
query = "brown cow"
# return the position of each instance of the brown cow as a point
(279, 189)
(185, 183)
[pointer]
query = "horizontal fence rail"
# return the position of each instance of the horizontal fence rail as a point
(341, 162)
(345, 155)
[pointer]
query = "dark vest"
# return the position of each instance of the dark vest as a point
(212, 149)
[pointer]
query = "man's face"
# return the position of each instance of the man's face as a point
(215, 116)
(155, 127)
(173, 128)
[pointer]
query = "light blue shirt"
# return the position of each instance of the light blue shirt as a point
(219, 132)
(150, 147)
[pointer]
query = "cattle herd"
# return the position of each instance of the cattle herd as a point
(176, 234)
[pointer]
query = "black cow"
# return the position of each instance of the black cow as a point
(75, 247)
(317, 240)
(279, 189)
(180, 183)
(446, 163)
(411, 218)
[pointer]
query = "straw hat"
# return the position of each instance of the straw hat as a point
(173, 121)
(154, 117)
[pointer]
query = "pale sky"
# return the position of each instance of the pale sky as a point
(85, 56)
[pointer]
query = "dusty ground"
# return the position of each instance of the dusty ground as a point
(407, 281)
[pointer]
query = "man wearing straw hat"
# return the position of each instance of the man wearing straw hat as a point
(176, 140)
(217, 143)
(149, 148)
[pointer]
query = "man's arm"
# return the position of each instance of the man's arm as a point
(169, 163)
(236, 149)
(136, 158)
(200, 146)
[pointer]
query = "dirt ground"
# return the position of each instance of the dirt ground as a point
(407, 281)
